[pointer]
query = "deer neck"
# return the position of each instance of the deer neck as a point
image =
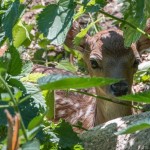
(106, 110)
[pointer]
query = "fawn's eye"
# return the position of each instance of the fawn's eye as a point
(136, 63)
(94, 64)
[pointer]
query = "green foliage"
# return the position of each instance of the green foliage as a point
(65, 133)
(135, 14)
(139, 97)
(15, 64)
(63, 82)
(20, 34)
(66, 65)
(11, 16)
(22, 90)
(35, 144)
(80, 36)
(55, 21)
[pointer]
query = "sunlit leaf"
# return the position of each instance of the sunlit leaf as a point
(59, 81)
(66, 65)
(139, 97)
(55, 21)
(11, 17)
(35, 122)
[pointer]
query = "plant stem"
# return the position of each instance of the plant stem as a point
(4, 106)
(123, 21)
(77, 126)
(15, 106)
(96, 30)
(106, 99)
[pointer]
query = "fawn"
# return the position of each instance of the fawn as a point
(106, 56)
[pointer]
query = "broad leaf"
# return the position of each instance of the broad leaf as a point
(147, 8)
(50, 103)
(29, 109)
(134, 15)
(140, 125)
(31, 145)
(139, 97)
(11, 17)
(90, 7)
(18, 84)
(20, 34)
(79, 37)
(15, 64)
(66, 65)
(59, 81)
(67, 138)
(55, 21)
(35, 122)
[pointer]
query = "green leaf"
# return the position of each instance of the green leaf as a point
(17, 83)
(67, 138)
(11, 17)
(35, 122)
(90, 7)
(20, 34)
(15, 65)
(74, 52)
(33, 77)
(59, 81)
(29, 109)
(136, 16)
(66, 65)
(17, 93)
(31, 145)
(27, 68)
(55, 21)
(3, 132)
(5, 97)
(139, 97)
(140, 125)
(147, 8)
(79, 37)
(50, 103)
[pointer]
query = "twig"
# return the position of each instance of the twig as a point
(106, 99)
(15, 106)
(96, 30)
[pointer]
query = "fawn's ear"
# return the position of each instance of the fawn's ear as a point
(74, 30)
(144, 42)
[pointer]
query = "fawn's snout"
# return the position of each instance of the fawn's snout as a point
(119, 88)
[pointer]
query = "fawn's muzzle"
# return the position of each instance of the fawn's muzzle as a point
(119, 88)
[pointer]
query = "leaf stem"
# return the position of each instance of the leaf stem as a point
(124, 21)
(4, 106)
(106, 99)
(96, 30)
(15, 106)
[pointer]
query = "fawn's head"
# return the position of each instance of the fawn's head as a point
(106, 56)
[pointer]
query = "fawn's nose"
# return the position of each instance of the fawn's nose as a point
(119, 88)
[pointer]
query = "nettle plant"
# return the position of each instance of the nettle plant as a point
(32, 103)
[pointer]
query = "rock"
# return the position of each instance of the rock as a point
(102, 137)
